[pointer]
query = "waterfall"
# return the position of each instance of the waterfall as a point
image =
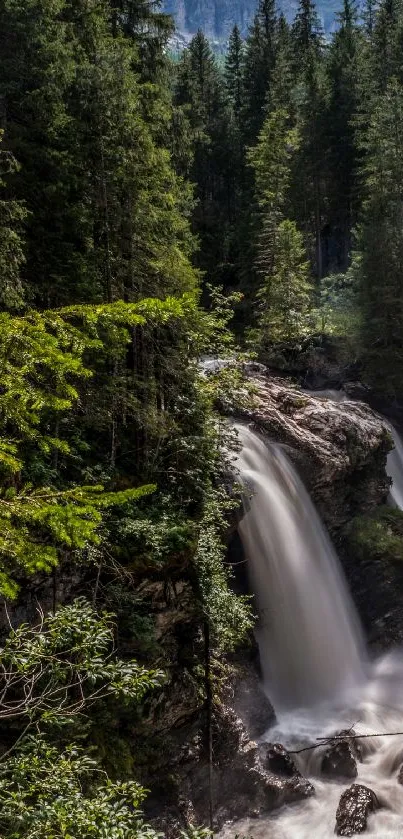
(395, 469)
(311, 650)
(309, 636)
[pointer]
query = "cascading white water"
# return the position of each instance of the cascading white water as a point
(378, 710)
(293, 569)
(395, 469)
(309, 636)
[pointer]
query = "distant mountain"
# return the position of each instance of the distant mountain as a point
(217, 17)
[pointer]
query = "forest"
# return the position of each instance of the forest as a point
(156, 210)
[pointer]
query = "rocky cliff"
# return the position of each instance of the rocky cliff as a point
(217, 17)
(339, 448)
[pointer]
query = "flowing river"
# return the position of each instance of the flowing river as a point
(315, 666)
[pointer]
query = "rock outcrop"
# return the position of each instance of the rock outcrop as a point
(249, 778)
(339, 448)
(356, 804)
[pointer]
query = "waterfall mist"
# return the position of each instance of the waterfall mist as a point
(395, 469)
(311, 646)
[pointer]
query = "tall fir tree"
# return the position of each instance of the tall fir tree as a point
(234, 71)
(379, 260)
(344, 102)
(260, 59)
(201, 90)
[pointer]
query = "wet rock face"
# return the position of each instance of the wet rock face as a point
(249, 779)
(356, 804)
(249, 700)
(339, 448)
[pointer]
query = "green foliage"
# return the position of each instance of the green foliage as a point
(12, 216)
(229, 616)
(379, 537)
(46, 793)
(285, 294)
(57, 669)
(378, 262)
(338, 311)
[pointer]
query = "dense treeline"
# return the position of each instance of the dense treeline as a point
(109, 441)
(141, 199)
(297, 171)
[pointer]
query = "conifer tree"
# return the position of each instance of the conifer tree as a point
(379, 261)
(307, 32)
(309, 174)
(260, 58)
(344, 103)
(201, 88)
(284, 292)
(234, 71)
(12, 216)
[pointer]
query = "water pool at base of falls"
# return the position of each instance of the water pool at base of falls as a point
(378, 709)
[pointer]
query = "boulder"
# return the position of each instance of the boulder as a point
(339, 761)
(356, 804)
(279, 761)
(244, 781)
(339, 448)
(340, 758)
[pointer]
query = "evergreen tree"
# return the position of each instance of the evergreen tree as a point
(307, 33)
(379, 261)
(12, 216)
(234, 72)
(281, 263)
(260, 58)
(201, 89)
(343, 73)
(106, 212)
(285, 294)
(386, 46)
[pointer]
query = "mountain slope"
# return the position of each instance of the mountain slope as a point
(217, 17)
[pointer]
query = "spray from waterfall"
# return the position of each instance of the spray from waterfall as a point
(310, 641)
(395, 469)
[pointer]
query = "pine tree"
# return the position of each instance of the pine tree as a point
(260, 58)
(285, 295)
(201, 89)
(379, 261)
(307, 32)
(234, 71)
(386, 45)
(281, 264)
(106, 212)
(12, 216)
(343, 73)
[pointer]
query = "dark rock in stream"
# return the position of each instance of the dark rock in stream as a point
(244, 781)
(356, 804)
(339, 761)
(400, 776)
(280, 761)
